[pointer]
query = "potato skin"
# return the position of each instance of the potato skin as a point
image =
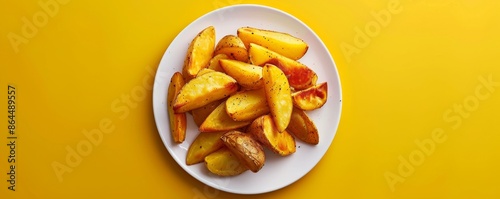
(280, 42)
(265, 131)
(199, 53)
(302, 127)
(223, 162)
(203, 144)
(178, 123)
(246, 148)
(278, 95)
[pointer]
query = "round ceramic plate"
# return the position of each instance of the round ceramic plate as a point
(277, 172)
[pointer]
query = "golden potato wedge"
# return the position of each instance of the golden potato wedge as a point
(247, 75)
(248, 150)
(233, 47)
(311, 98)
(265, 131)
(282, 43)
(204, 71)
(199, 53)
(214, 62)
(278, 95)
(247, 105)
(219, 120)
(299, 75)
(178, 123)
(200, 114)
(203, 144)
(224, 163)
(204, 89)
(302, 127)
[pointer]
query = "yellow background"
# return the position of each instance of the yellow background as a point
(397, 90)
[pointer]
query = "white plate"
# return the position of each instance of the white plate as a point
(277, 172)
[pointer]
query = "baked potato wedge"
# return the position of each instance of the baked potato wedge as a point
(311, 98)
(265, 131)
(224, 163)
(278, 95)
(204, 71)
(302, 127)
(219, 120)
(200, 51)
(246, 148)
(204, 89)
(233, 47)
(214, 62)
(178, 123)
(282, 43)
(299, 75)
(203, 144)
(247, 75)
(247, 105)
(200, 114)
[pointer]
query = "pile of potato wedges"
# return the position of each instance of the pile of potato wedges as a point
(247, 92)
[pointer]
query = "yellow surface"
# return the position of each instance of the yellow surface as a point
(417, 120)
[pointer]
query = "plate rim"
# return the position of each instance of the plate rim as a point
(155, 89)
